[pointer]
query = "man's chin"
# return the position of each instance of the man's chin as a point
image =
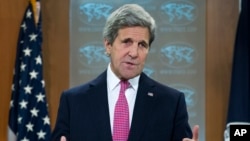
(128, 76)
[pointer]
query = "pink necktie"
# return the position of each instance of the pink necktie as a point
(121, 115)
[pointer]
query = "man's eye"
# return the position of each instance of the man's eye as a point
(143, 45)
(127, 42)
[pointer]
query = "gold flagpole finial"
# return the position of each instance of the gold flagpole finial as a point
(36, 9)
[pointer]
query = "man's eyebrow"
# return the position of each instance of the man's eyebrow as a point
(143, 42)
(140, 42)
(126, 39)
(130, 39)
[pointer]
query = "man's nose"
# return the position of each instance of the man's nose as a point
(133, 51)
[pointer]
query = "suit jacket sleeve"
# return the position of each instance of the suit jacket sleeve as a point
(181, 127)
(62, 122)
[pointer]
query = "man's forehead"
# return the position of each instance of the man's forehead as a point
(134, 33)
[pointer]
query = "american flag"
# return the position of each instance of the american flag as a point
(28, 115)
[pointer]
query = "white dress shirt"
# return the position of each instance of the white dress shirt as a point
(113, 86)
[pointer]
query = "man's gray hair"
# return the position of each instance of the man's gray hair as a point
(128, 15)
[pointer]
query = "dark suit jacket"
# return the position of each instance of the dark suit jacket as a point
(83, 113)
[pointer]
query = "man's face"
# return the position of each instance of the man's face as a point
(129, 51)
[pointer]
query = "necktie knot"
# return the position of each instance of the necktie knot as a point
(124, 86)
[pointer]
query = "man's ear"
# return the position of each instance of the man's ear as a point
(108, 46)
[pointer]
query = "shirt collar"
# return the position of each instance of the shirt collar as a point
(113, 81)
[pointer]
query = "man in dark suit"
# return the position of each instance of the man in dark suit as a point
(123, 103)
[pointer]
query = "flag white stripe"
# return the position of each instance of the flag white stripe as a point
(11, 135)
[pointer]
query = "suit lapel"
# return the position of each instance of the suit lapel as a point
(99, 107)
(145, 100)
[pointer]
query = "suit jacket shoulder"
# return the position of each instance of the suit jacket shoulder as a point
(159, 114)
(83, 112)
